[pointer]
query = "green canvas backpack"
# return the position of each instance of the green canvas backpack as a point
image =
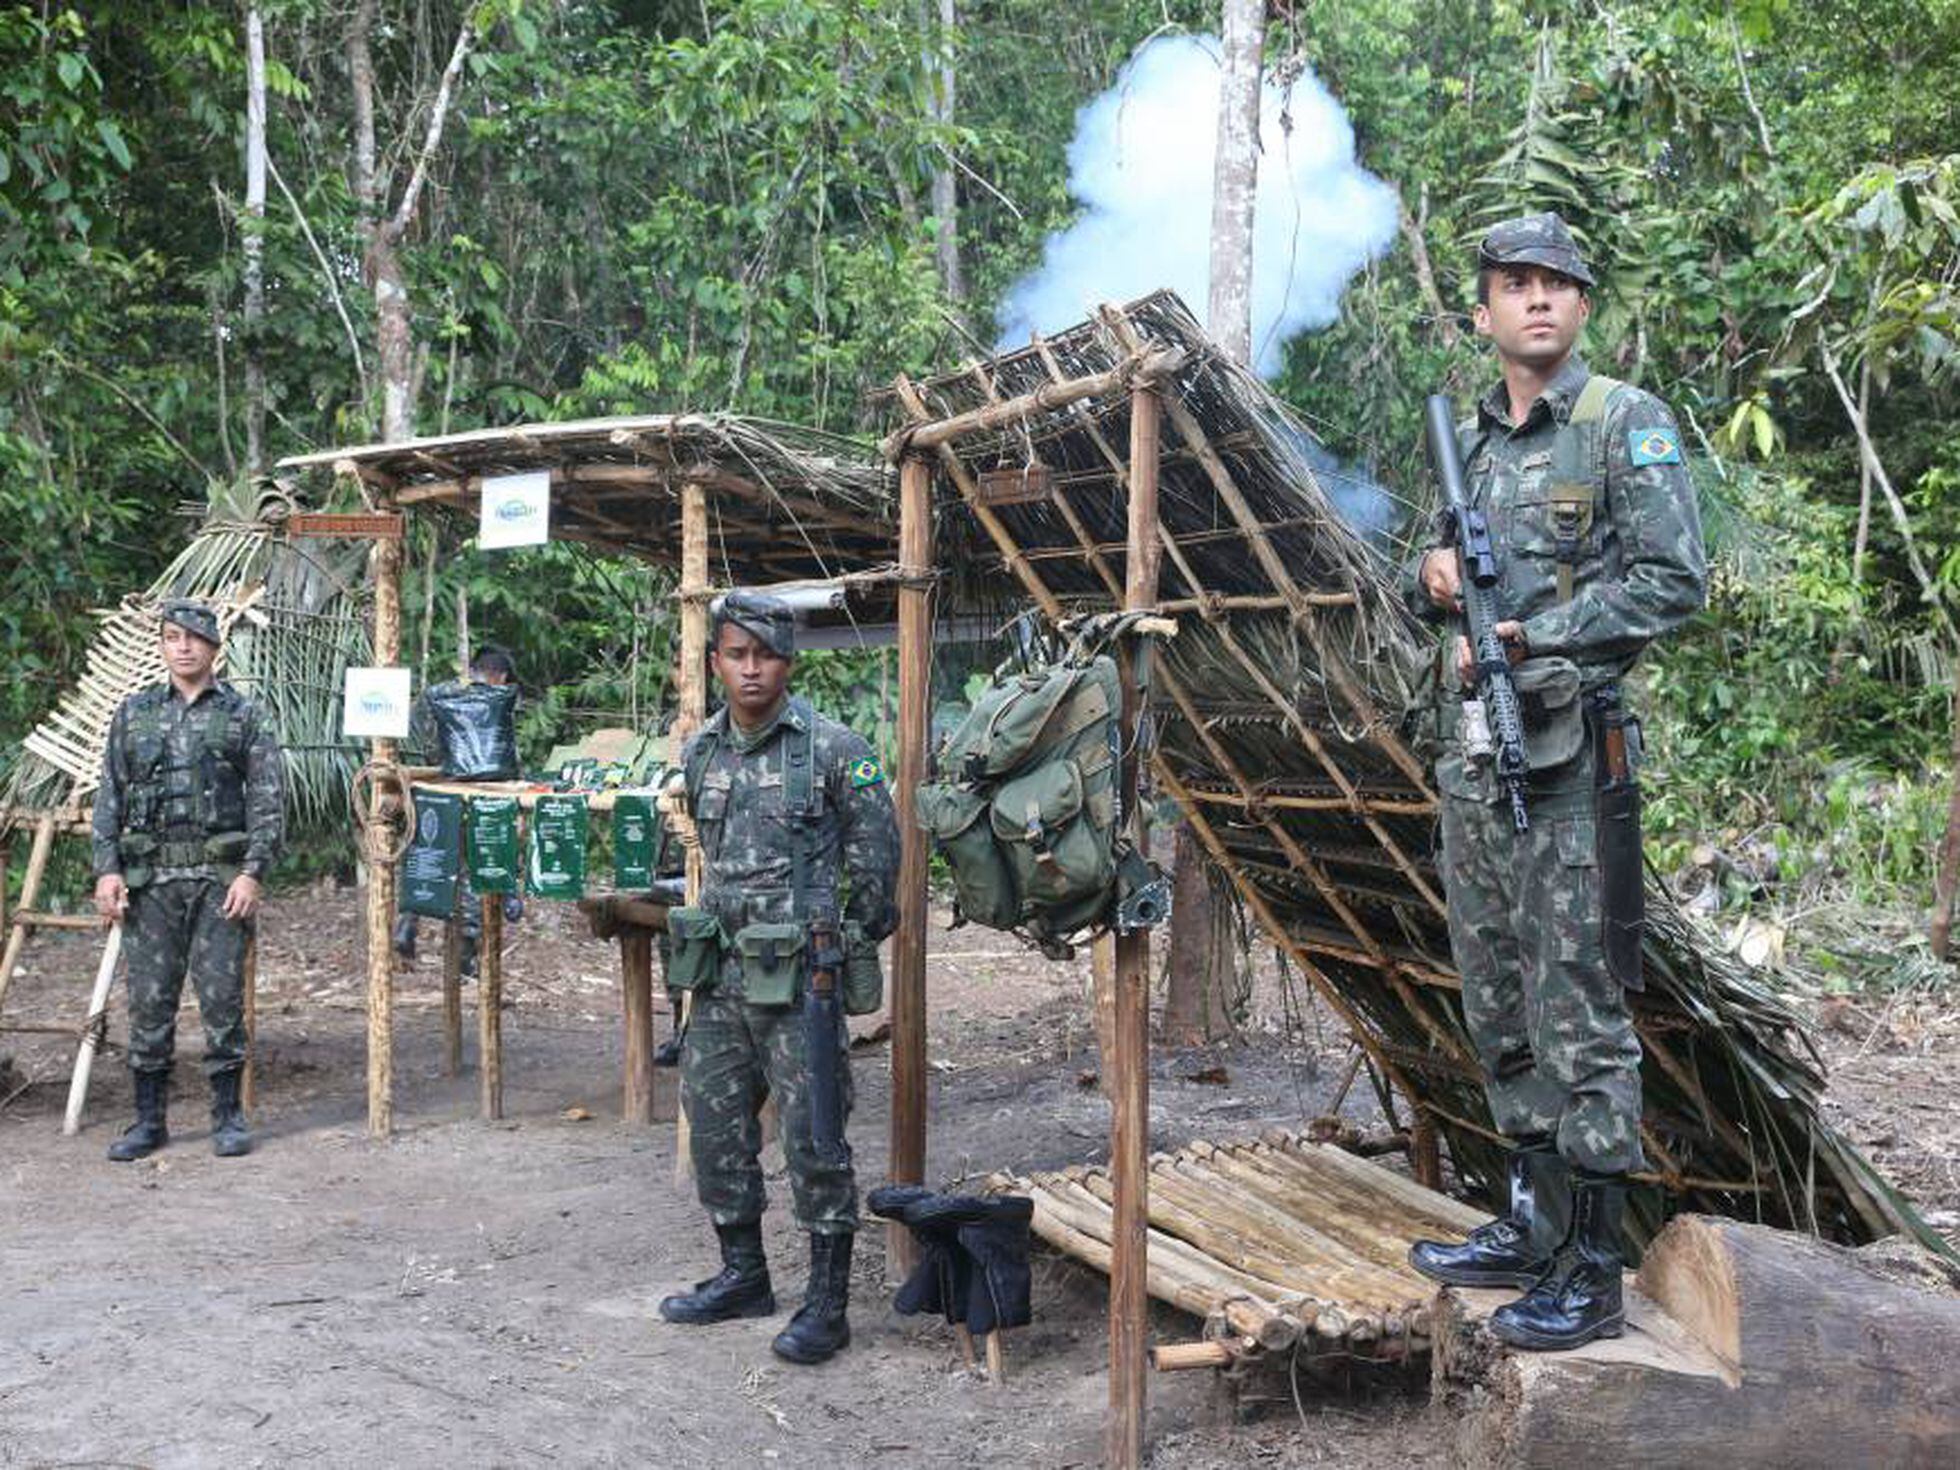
(1025, 807)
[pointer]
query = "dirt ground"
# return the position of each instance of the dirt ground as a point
(483, 1294)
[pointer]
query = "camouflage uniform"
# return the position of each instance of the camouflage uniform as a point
(191, 796)
(1549, 1020)
(737, 1052)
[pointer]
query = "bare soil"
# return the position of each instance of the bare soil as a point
(474, 1293)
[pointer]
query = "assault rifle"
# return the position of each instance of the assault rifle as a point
(1493, 722)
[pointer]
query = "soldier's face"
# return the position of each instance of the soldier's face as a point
(1533, 316)
(185, 654)
(754, 674)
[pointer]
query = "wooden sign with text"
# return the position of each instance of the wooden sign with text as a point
(366, 526)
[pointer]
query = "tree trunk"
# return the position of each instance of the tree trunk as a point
(1203, 956)
(1946, 879)
(1744, 1346)
(1235, 179)
(255, 170)
(945, 185)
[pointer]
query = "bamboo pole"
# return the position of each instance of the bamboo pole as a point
(1141, 364)
(907, 1135)
(692, 715)
(30, 894)
(92, 1030)
(1380, 806)
(636, 1008)
(1129, 1139)
(1175, 1357)
(384, 574)
(490, 1006)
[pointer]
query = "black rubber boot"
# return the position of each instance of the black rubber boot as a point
(739, 1289)
(820, 1330)
(1579, 1298)
(148, 1133)
(1517, 1248)
(231, 1135)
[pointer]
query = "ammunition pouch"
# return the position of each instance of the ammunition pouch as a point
(772, 962)
(138, 851)
(1553, 713)
(864, 972)
(1622, 877)
(696, 940)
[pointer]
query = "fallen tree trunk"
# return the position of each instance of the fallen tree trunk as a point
(1746, 1346)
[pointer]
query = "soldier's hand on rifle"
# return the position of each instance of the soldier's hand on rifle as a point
(111, 896)
(1440, 579)
(242, 898)
(1510, 632)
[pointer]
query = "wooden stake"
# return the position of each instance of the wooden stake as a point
(98, 1019)
(907, 1152)
(490, 1006)
(30, 895)
(248, 1082)
(693, 714)
(384, 572)
(636, 997)
(452, 995)
(1129, 1067)
(1172, 1357)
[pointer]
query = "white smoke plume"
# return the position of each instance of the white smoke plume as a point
(1141, 166)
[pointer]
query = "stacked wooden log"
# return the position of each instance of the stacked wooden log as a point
(1283, 1243)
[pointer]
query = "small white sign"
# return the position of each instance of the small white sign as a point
(516, 511)
(377, 704)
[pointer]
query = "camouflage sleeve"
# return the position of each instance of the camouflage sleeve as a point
(862, 797)
(1663, 576)
(265, 796)
(105, 855)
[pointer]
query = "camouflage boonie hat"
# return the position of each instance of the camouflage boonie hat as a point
(769, 620)
(193, 617)
(1535, 239)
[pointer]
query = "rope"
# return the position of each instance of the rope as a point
(366, 798)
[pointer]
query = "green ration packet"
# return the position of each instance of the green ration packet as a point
(634, 838)
(492, 844)
(557, 862)
(434, 855)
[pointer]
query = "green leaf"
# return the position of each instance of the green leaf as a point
(112, 139)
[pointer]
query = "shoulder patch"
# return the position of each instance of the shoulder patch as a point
(1653, 446)
(867, 772)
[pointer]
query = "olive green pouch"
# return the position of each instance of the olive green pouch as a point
(772, 962)
(1554, 715)
(864, 972)
(138, 851)
(697, 940)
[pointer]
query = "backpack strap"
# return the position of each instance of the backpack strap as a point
(798, 782)
(1575, 501)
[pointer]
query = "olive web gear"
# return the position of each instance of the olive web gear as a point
(1026, 810)
(177, 815)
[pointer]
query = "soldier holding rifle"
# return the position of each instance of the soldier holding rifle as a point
(1594, 550)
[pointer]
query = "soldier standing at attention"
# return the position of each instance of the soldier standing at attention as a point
(795, 826)
(1598, 539)
(188, 820)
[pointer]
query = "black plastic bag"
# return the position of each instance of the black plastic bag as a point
(476, 730)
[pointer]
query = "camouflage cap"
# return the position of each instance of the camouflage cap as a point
(767, 619)
(1535, 239)
(192, 616)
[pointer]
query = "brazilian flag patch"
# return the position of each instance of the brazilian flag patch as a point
(867, 772)
(1653, 446)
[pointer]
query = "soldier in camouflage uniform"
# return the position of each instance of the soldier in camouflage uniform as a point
(742, 950)
(188, 820)
(1597, 535)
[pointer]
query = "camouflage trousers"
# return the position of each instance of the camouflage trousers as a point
(736, 1055)
(1549, 1021)
(171, 927)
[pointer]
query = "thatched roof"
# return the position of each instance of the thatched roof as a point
(1279, 725)
(785, 503)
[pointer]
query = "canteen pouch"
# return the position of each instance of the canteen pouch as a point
(864, 972)
(1554, 714)
(696, 940)
(983, 885)
(772, 962)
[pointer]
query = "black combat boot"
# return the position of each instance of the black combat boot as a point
(819, 1330)
(1579, 1298)
(231, 1135)
(739, 1289)
(1516, 1248)
(404, 936)
(148, 1133)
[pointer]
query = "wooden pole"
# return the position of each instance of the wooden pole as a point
(636, 1005)
(907, 1158)
(98, 1019)
(30, 896)
(452, 993)
(1129, 1069)
(693, 714)
(490, 1006)
(384, 572)
(248, 1083)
